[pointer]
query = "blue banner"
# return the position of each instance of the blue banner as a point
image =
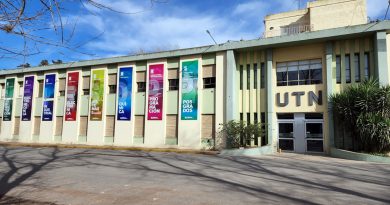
(124, 93)
(47, 114)
(50, 81)
(189, 91)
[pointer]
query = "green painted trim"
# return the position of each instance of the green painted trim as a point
(82, 139)
(231, 89)
(57, 138)
(266, 150)
(270, 96)
(208, 101)
(208, 59)
(381, 57)
(138, 140)
(60, 106)
(112, 71)
(307, 37)
(342, 64)
(35, 138)
(330, 83)
(140, 66)
(170, 141)
(361, 59)
(352, 60)
(344, 154)
(244, 83)
(108, 139)
(172, 102)
(173, 63)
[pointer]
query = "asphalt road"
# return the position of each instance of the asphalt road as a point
(78, 176)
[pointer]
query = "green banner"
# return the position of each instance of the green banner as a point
(96, 112)
(189, 91)
(9, 88)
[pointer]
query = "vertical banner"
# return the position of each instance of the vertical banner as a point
(189, 91)
(8, 101)
(9, 88)
(47, 110)
(50, 81)
(97, 95)
(71, 96)
(49, 89)
(124, 93)
(27, 98)
(156, 91)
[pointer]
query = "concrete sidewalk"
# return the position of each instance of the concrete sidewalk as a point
(84, 176)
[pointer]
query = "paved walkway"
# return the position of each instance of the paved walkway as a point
(80, 176)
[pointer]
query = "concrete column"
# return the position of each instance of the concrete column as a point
(330, 90)
(380, 52)
(220, 64)
(231, 109)
(271, 115)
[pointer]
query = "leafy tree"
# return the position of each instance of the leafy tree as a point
(364, 109)
(238, 133)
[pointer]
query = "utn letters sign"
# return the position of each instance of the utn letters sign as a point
(311, 97)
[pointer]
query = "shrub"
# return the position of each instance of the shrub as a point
(238, 133)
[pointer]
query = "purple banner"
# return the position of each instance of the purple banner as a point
(27, 98)
(47, 110)
(156, 90)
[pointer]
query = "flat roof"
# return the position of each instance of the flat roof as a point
(262, 43)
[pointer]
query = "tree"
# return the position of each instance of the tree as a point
(364, 110)
(44, 63)
(27, 20)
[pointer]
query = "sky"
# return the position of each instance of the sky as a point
(93, 33)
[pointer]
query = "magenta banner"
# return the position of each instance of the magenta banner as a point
(156, 90)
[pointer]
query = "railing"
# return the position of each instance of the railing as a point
(288, 30)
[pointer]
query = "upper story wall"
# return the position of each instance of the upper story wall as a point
(319, 15)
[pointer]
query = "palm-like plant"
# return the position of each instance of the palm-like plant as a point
(364, 109)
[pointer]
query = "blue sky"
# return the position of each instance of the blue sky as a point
(171, 25)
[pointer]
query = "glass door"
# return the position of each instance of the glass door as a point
(286, 136)
(314, 136)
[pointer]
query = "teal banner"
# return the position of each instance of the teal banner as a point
(189, 91)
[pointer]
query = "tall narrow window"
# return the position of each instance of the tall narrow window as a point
(262, 75)
(348, 68)
(357, 67)
(248, 76)
(338, 69)
(248, 118)
(241, 76)
(255, 75)
(366, 66)
(281, 74)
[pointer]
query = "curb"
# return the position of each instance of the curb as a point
(344, 154)
(74, 146)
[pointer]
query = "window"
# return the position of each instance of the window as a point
(61, 86)
(241, 76)
(21, 90)
(248, 76)
(299, 73)
(141, 87)
(173, 84)
(208, 82)
(357, 67)
(112, 89)
(347, 68)
(366, 66)
(338, 69)
(62, 92)
(255, 75)
(40, 88)
(248, 118)
(85, 91)
(262, 76)
(2, 90)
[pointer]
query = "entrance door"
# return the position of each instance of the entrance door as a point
(286, 135)
(314, 136)
(300, 132)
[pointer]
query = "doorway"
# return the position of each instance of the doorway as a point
(301, 133)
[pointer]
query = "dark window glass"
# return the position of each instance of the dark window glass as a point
(256, 120)
(85, 91)
(173, 84)
(241, 117)
(112, 89)
(248, 118)
(357, 67)
(141, 87)
(338, 69)
(241, 76)
(347, 68)
(62, 93)
(366, 66)
(299, 73)
(255, 76)
(315, 146)
(287, 116)
(313, 116)
(209, 82)
(262, 75)
(248, 76)
(263, 117)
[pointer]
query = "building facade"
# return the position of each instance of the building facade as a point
(179, 98)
